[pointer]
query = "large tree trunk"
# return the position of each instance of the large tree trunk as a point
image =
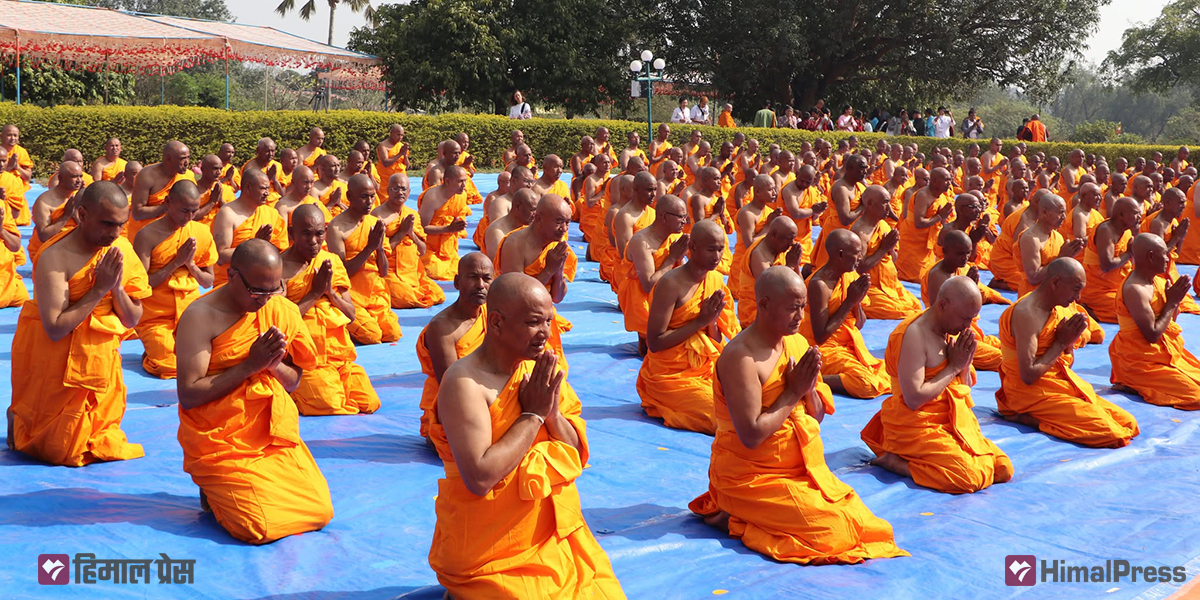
(332, 8)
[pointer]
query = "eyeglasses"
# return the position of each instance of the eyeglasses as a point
(257, 293)
(676, 215)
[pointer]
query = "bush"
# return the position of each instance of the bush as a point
(46, 132)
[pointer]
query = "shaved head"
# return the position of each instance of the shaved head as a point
(255, 175)
(1144, 244)
(956, 239)
(960, 290)
(307, 213)
(255, 253)
(1064, 268)
(514, 294)
(473, 260)
(707, 231)
(778, 280)
(669, 203)
(104, 192)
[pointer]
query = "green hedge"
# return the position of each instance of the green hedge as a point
(46, 132)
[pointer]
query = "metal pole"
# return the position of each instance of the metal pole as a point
(649, 112)
(18, 68)
(162, 86)
(226, 79)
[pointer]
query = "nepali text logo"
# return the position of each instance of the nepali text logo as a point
(54, 569)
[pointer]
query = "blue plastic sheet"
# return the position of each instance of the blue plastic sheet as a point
(1066, 502)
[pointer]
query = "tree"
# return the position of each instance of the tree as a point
(448, 54)
(1161, 54)
(794, 51)
(213, 10)
(308, 8)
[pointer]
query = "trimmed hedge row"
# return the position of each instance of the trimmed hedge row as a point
(47, 132)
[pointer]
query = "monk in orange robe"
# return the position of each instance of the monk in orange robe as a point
(317, 283)
(68, 395)
(214, 193)
(1148, 355)
(650, 254)
(242, 349)
(154, 182)
(926, 430)
(71, 155)
(705, 202)
(777, 246)
(524, 204)
(110, 167)
(467, 161)
(443, 209)
(1106, 261)
(834, 316)
(54, 209)
(1069, 178)
(314, 149)
(1038, 335)
(12, 286)
(658, 148)
(541, 251)
(956, 247)
(1166, 224)
(230, 173)
(391, 155)
(408, 285)
(454, 332)
(617, 194)
(264, 160)
(358, 239)
(551, 180)
(178, 254)
(845, 198)
(513, 453)
(1085, 216)
(768, 481)
(501, 193)
(299, 194)
(1006, 271)
(593, 200)
(931, 207)
(751, 222)
(16, 171)
(246, 218)
(330, 190)
(1189, 249)
(690, 319)
(804, 203)
(972, 217)
(886, 298)
(636, 214)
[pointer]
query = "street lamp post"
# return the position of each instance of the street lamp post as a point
(653, 73)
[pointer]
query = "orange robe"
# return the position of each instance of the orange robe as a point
(631, 298)
(1189, 251)
(400, 166)
(830, 222)
(244, 450)
(747, 302)
(987, 347)
(408, 285)
(527, 537)
(470, 340)
(1064, 405)
(14, 197)
(783, 500)
(1100, 292)
(162, 309)
(1049, 252)
(1189, 304)
(155, 199)
(914, 253)
(887, 298)
(441, 250)
(236, 179)
(1163, 373)
(335, 384)
(1002, 262)
(374, 321)
(273, 194)
(941, 439)
(312, 158)
(263, 215)
(560, 325)
(12, 287)
(676, 384)
(472, 192)
(68, 396)
(227, 196)
(326, 197)
(725, 266)
(1095, 218)
(590, 218)
(807, 199)
(112, 170)
(726, 120)
(738, 261)
(619, 267)
(845, 353)
(659, 151)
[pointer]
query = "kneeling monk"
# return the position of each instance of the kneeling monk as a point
(454, 332)
(68, 396)
(834, 316)
(358, 239)
(690, 317)
(925, 429)
(178, 253)
(768, 481)
(242, 348)
(1148, 355)
(1038, 335)
(317, 282)
(509, 522)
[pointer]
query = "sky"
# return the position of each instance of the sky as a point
(1114, 19)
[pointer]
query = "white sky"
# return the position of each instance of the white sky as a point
(1114, 19)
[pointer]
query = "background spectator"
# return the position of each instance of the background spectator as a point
(943, 123)
(682, 114)
(845, 121)
(972, 126)
(700, 112)
(765, 117)
(520, 108)
(789, 120)
(918, 122)
(725, 119)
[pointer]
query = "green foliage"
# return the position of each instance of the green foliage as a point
(443, 55)
(873, 54)
(1096, 132)
(49, 84)
(1161, 54)
(46, 132)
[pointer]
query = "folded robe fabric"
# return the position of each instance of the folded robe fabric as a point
(1164, 373)
(162, 309)
(374, 322)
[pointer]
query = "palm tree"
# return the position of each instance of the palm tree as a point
(308, 8)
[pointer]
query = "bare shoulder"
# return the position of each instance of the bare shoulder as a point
(197, 320)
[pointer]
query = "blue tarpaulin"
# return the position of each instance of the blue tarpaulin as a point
(1069, 503)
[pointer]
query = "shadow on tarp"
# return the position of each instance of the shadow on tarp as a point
(387, 593)
(379, 448)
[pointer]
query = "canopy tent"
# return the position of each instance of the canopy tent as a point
(92, 38)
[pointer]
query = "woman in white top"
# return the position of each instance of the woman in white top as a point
(682, 114)
(846, 121)
(520, 108)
